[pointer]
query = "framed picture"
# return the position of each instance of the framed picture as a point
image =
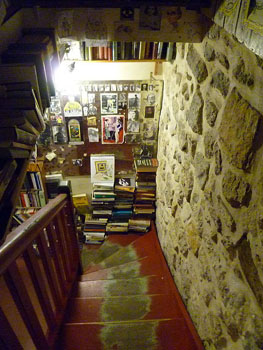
(93, 134)
(134, 100)
(112, 129)
(55, 106)
(109, 103)
(102, 168)
(149, 112)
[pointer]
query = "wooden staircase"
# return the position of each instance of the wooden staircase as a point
(126, 299)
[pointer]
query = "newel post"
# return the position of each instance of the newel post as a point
(65, 188)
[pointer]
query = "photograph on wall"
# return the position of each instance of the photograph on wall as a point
(150, 17)
(95, 87)
(119, 87)
(149, 112)
(101, 87)
(72, 108)
(93, 134)
(92, 121)
(132, 138)
(113, 87)
(55, 106)
(133, 124)
(149, 130)
(56, 119)
(127, 13)
(91, 98)
(144, 87)
(107, 87)
(151, 99)
(102, 168)
(74, 130)
(134, 100)
(109, 103)
(122, 100)
(112, 129)
(137, 87)
(59, 134)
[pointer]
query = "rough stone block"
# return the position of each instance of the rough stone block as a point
(194, 115)
(238, 129)
(197, 64)
(236, 191)
(221, 82)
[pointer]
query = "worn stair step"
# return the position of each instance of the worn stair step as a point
(143, 335)
(142, 267)
(121, 287)
(141, 247)
(122, 308)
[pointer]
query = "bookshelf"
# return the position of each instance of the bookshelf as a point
(123, 51)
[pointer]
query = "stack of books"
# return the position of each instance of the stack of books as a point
(139, 225)
(117, 227)
(103, 198)
(145, 193)
(124, 190)
(94, 230)
(21, 117)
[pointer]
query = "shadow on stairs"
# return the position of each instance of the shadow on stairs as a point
(126, 299)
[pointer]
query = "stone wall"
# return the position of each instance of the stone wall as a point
(210, 188)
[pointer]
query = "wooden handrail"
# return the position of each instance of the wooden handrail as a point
(25, 233)
(39, 263)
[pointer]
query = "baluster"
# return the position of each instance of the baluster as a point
(64, 250)
(63, 220)
(72, 232)
(55, 248)
(8, 338)
(36, 274)
(22, 300)
(49, 270)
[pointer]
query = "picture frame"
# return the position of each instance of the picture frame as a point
(112, 129)
(102, 168)
(109, 103)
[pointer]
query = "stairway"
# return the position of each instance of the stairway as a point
(126, 300)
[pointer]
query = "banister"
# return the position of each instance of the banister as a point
(18, 240)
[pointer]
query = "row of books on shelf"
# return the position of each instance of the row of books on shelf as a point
(32, 199)
(123, 50)
(33, 181)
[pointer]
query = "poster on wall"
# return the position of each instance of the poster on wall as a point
(72, 108)
(133, 125)
(93, 134)
(109, 103)
(112, 129)
(102, 168)
(74, 130)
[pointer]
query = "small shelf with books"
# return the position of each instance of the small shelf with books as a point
(123, 51)
(33, 193)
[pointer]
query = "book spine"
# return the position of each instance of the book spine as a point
(155, 50)
(114, 50)
(100, 53)
(110, 51)
(142, 50)
(169, 54)
(159, 51)
(90, 55)
(123, 50)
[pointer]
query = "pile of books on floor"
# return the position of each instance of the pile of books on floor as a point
(145, 192)
(139, 225)
(94, 229)
(103, 198)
